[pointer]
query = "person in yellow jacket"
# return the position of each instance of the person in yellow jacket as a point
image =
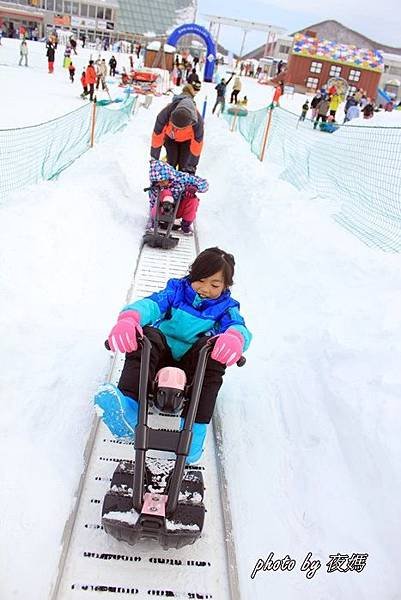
(335, 102)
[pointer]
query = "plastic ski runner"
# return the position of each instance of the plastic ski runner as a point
(93, 564)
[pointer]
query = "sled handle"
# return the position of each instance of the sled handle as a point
(240, 362)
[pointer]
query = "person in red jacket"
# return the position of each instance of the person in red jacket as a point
(179, 128)
(71, 70)
(84, 86)
(90, 77)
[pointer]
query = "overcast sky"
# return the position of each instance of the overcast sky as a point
(380, 21)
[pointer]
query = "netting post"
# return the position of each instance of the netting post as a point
(234, 122)
(93, 124)
(266, 133)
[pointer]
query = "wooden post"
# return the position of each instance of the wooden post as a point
(93, 124)
(234, 121)
(266, 134)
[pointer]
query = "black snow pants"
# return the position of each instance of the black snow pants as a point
(160, 356)
(178, 155)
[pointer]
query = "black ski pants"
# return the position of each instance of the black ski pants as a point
(323, 117)
(178, 155)
(234, 96)
(160, 356)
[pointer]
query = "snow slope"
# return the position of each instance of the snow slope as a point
(311, 424)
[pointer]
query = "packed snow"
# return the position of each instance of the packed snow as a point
(311, 424)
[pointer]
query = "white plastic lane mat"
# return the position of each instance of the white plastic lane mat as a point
(95, 565)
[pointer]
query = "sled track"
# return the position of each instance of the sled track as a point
(95, 565)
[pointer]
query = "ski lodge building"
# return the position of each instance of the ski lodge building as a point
(313, 61)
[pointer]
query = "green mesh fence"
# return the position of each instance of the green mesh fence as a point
(31, 154)
(251, 126)
(356, 166)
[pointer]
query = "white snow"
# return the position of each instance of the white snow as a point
(130, 517)
(174, 526)
(311, 423)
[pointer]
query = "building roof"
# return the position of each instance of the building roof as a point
(333, 30)
(348, 54)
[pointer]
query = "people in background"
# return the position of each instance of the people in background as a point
(236, 90)
(221, 89)
(71, 70)
(304, 111)
(23, 53)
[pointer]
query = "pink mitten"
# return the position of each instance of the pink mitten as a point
(228, 347)
(123, 336)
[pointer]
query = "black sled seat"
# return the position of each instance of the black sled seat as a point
(161, 234)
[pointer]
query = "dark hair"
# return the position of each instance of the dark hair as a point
(211, 261)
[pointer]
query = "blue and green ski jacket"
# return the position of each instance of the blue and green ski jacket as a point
(183, 316)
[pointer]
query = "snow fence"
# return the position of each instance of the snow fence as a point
(357, 166)
(31, 154)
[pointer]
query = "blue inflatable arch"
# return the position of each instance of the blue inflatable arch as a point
(193, 28)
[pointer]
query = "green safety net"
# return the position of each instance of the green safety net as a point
(251, 126)
(358, 167)
(31, 154)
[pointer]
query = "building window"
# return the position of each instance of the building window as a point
(67, 7)
(395, 70)
(354, 75)
(107, 14)
(352, 90)
(50, 5)
(83, 10)
(59, 6)
(284, 49)
(100, 12)
(92, 11)
(335, 71)
(316, 67)
(312, 83)
(75, 8)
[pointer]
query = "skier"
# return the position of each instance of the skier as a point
(51, 51)
(67, 56)
(179, 127)
(113, 65)
(23, 51)
(90, 78)
(335, 102)
(73, 43)
(178, 321)
(236, 90)
(305, 108)
(84, 84)
(179, 76)
(221, 93)
(315, 101)
(322, 110)
(193, 77)
(71, 70)
(101, 72)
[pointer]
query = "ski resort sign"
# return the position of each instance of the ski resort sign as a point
(194, 29)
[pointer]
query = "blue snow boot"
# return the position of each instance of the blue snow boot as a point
(198, 439)
(118, 412)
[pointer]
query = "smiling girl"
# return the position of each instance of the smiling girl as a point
(178, 321)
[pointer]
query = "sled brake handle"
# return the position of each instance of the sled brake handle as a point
(107, 345)
(240, 362)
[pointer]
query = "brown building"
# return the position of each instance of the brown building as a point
(313, 61)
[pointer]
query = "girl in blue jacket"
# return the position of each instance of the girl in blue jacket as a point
(178, 321)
